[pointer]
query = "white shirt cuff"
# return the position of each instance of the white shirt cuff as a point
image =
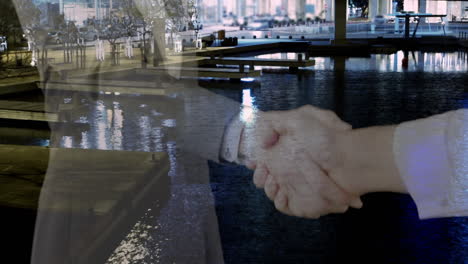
(231, 140)
(422, 155)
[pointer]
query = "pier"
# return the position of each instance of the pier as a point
(78, 85)
(18, 84)
(251, 62)
(29, 111)
(196, 72)
(109, 189)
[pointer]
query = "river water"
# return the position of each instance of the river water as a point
(369, 91)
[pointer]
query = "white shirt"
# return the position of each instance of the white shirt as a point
(432, 157)
(231, 140)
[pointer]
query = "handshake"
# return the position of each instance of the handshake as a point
(311, 163)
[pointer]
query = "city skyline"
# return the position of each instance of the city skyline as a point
(216, 10)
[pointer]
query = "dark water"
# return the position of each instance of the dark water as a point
(371, 91)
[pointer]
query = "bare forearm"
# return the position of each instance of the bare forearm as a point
(367, 163)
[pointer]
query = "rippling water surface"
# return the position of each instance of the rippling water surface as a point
(371, 91)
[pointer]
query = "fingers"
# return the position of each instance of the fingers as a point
(260, 176)
(251, 164)
(275, 124)
(341, 196)
(330, 119)
(331, 198)
(267, 135)
(295, 179)
(281, 201)
(339, 200)
(269, 139)
(327, 117)
(298, 209)
(271, 187)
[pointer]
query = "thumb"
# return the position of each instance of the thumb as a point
(268, 138)
(271, 128)
(356, 203)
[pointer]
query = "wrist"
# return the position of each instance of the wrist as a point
(366, 161)
(343, 172)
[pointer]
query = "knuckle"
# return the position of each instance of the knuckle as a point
(329, 114)
(323, 210)
(311, 215)
(256, 182)
(279, 206)
(310, 107)
(306, 107)
(270, 191)
(338, 196)
(341, 209)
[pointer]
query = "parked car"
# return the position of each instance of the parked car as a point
(230, 21)
(88, 33)
(258, 24)
(54, 37)
(281, 19)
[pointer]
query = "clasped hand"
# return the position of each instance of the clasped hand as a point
(294, 156)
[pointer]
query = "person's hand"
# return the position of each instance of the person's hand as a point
(297, 161)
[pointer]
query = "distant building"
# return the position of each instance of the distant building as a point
(49, 13)
(294, 9)
(81, 10)
(302, 9)
(455, 10)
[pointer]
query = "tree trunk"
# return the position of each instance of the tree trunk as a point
(159, 41)
(113, 54)
(144, 52)
(64, 55)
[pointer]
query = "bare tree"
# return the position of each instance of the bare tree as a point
(112, 30)
(137, 23)
(28, 15)
(69, 39)
(159, 14)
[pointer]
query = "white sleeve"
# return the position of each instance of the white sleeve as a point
(432, 157)
(231, 140)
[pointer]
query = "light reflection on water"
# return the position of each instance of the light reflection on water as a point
(139, 245)
(117, 125)
(417, 61)
(85, 140)
(101, 121)
(248, 113)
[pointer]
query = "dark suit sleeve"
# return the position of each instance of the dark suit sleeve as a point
(203, 121)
